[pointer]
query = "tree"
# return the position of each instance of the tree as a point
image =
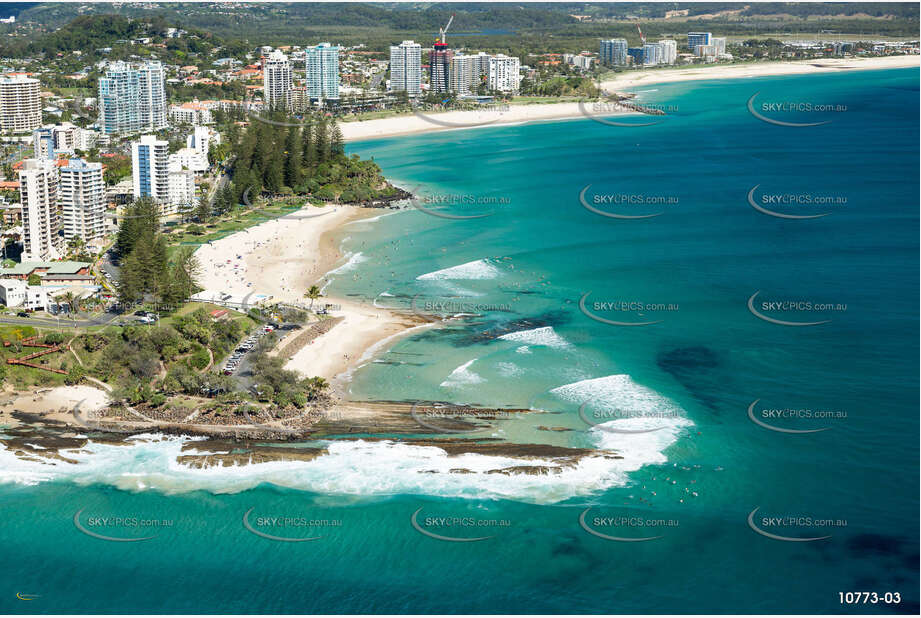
(309, 150)
(34, 280)
(75, 245)
(293, 156)
(139, 219)
(335, 140)
(313, 293)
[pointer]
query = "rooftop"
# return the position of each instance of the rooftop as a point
(54, 268)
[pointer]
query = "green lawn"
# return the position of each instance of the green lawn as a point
(24, 377)
(234, 223)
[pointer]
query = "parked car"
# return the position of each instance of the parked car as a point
(22, 314)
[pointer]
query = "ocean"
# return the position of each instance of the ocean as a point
(752, 378)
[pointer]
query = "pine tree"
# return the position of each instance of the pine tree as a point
(309, 156)
(321, 137)
(335, 140)
(273, 178)
(292, 159)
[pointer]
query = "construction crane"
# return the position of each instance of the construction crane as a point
(642, 36)
(443, 31)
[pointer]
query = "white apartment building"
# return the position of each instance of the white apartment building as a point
(20, 104)
(668, 49)
(150, 171)
(133, 99)
(190, 159)
(181, 188)
(276, 80)
(50, 141)
(322, 64)
(504, 73)
(406, 68)
(41, 218)
(191, 113)
(201, 139)
(13, 292)
(460, 75)
(82, 197)
(18, 293)
(467, 72)
(720, 44)
(582, 61)
(152, 99)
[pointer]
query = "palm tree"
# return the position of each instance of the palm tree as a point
(69, 299)
(313, 293)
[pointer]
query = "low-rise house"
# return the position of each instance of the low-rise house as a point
(43, 269)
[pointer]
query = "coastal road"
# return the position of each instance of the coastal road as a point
(63, 323)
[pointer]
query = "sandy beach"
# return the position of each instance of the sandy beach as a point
(632, 79)
(283, 258)
(447, 121)
(522, 113)
(54, 403)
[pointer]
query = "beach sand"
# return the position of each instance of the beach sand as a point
(446, 121)
(53, 403)
(632, 79)
(283, 258)
(521, 113)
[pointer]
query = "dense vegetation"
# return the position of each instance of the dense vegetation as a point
(146, 270)
(282, 155)
(516, 29)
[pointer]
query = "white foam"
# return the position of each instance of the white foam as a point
(545, 336)
(373, 219)
(382, 295)
(477, 269)
(354, 260)
(508, 370)
(462, 376)
(643, 408)
(350, 468)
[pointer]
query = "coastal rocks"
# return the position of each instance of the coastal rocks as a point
(306, 337)
(387, 202)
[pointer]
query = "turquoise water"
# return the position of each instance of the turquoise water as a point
(691, 377)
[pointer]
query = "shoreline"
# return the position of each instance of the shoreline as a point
(410, 124)
(282, 258)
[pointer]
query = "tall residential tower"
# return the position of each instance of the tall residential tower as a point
(323, 72)
(406, 68)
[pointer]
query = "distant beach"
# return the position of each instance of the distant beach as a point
(521, 113)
